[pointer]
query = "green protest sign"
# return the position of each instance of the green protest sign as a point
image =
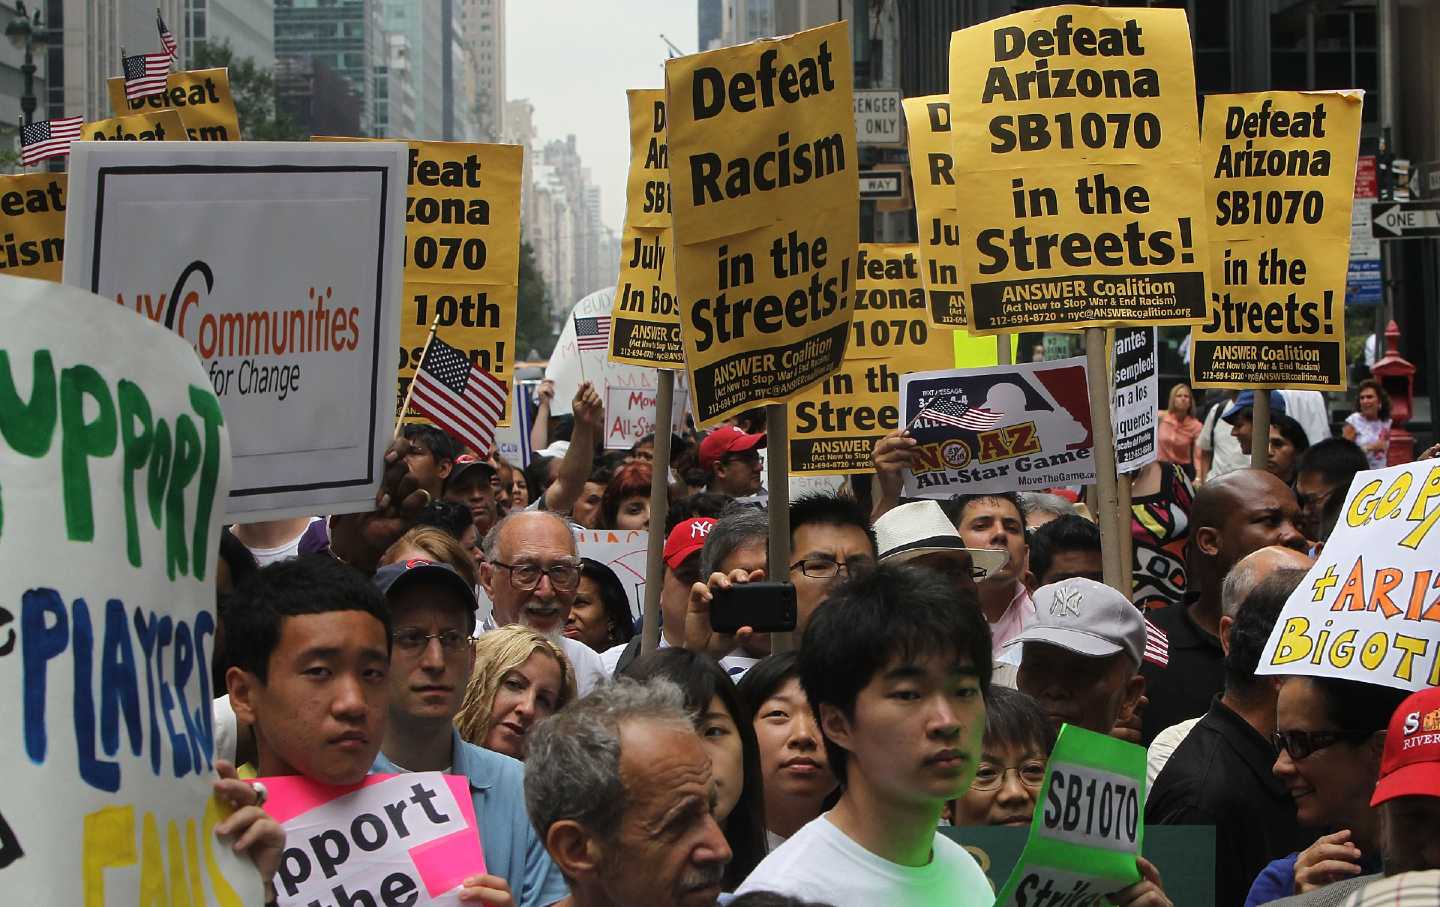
(1088, 827)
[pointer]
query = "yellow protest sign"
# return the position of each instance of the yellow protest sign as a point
(647, 187)
(645, 320)
(462, 253)
(1082, 201)
(932, 172)
(834, 424)
(33, 241)
(201, 96)
(1280, 180)
(766, 215)
(150, 126)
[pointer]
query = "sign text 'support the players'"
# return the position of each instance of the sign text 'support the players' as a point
(1280, 180)
(834, 424)
(1008, 428)
(280, 264)
(1082, 202)
(116, 463)
(764, 175)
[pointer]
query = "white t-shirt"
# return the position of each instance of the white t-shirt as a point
(589, 669)
(1215, 436)
(1163, 747)
(265, 556)
(820, 863)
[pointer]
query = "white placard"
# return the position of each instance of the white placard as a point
(280, 263)
(113, 467)
(569, 365)
(623, 551)
(1134, 397)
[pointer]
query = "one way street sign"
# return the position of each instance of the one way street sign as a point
(1405, 220)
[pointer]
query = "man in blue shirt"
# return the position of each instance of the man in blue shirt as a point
(433, 616)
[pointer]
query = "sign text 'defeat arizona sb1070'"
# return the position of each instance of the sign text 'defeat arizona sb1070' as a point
(764, 175)
(1080, 202)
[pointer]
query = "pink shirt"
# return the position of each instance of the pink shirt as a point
(1019, 615)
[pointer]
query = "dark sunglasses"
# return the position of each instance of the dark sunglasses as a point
(1300, 744)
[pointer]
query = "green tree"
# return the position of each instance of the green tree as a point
(533, 328)
(254, 92)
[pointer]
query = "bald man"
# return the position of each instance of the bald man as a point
(1233, 515)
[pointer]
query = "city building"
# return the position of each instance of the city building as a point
(12, 82)
(483, 22)
(746, 20)
(320, 44)
(85, 48)
(247, 26)
(711, 16)
(425, 49)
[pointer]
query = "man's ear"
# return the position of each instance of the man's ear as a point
(1134, 689)
(443, 468)
(835, 725)
(487, 578)
(243, 688)
(573, 849)
(1226, 625)
(1207, 539)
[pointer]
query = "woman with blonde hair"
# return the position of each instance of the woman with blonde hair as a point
(520, 679)
(1178, 429)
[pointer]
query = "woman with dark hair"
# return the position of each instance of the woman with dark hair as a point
(1018, 740)
(600, 617)
(1287, 442)
(1330, 734)
(626, 502)
(797, 775)
(1369, 425)
(725, 728)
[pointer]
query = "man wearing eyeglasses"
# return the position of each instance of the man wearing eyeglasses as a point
(830, 540)
(531, 572)
(1325, 470)
(432, 612)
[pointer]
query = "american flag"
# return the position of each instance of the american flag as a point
(48, 138)
(167, 40)
(949, 409)
(1157, 645)
(462, 399)
(145, 74)
(593, 333)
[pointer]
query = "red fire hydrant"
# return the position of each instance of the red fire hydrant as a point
(1397, 376)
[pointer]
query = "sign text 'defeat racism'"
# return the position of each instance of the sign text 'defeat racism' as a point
(765, 191)
(1081, 201)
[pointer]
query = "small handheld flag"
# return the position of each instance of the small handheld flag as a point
(462, 399)
(48, 138)
(167, 39)
(593, 333)
(145, 74)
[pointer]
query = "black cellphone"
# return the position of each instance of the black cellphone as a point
(764, 607)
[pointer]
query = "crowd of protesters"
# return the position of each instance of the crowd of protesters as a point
(939, 647)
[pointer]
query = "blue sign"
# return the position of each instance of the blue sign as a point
(1363, 283)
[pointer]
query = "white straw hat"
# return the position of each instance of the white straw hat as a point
(919, 528)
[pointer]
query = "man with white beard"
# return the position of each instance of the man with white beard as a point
(531, 572)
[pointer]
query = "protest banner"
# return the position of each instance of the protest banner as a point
(834, 425)
(115, 463)
(1135, 397)
(633, 413)
(149, 126)
(1280, 182)
(1088, 827)
(1016, 427)
(392, 839)
(33, 243)
(202, 97)
(765, 193)
(280, 263)
(624, 552)
(647, 183)
(1082, 203)
(1367, 608)
(645, 325)
(462, 254)
(932, 171)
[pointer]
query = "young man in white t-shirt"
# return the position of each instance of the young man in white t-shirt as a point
(896, 674)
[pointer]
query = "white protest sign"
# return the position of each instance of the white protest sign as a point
(1367, 609)
(1017, 427)
(114, 464)
(407, 839)
(569, 365)
(624, 552)
(630, 414)
(280, 263)
(1134, 392)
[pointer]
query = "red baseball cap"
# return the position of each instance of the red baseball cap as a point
(1411, 764)
(685, 539)
(724, 440)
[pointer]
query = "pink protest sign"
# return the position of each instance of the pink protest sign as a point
(408, 838)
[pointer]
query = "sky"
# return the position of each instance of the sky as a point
(574, 59)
